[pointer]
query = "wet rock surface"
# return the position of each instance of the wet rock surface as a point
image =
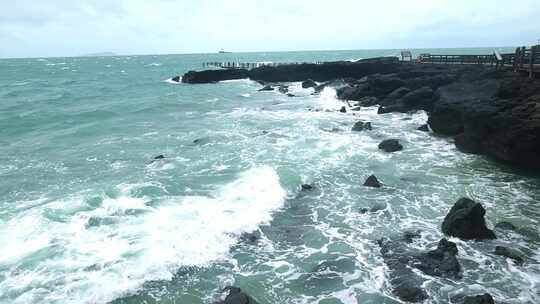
(465, 220)
(390, 145)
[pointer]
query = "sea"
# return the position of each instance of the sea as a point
(88, 215)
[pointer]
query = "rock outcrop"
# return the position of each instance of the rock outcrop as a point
(390, 145)
(210, 76)
(373, 182)
(466, 221)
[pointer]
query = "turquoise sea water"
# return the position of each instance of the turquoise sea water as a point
(86, 217)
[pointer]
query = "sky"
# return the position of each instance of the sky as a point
(77, 27)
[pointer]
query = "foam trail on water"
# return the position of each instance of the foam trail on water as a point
(112, 250)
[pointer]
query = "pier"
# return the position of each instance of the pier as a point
(523, 60)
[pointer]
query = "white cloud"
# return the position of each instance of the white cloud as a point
(66, 27)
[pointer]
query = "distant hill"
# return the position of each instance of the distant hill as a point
(103, 54)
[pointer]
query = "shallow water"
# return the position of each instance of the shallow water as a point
(87, 217)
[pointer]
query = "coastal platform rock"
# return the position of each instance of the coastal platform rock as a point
(390, 145)
(466, 221)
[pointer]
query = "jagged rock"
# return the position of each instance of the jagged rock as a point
(397, 94)
(361, 126)
(283, 89)
(307, 187)
(236, 296)
(372, 181)
(423, 128)
(309, 84)
(390, 145)
(509, 253)
(466, 221)
(161, 156)
(397, 107)
(343, 109)
(291, 95)
(479, 299)
(176, 79)
(267, 88)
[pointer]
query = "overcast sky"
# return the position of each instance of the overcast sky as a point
(76, 27)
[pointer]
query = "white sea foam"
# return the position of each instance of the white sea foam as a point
(113, 249)
(328, 99)
(172, 81)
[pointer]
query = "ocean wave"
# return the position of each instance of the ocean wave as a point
(106, 252)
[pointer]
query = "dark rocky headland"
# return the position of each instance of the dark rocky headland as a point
(488, 112)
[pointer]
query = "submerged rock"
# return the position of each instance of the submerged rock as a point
(309, 84)
(390, 145)
(410, 235)
(479, 299)
(372, 181)
(509, 253)
(360, 126)
(251, 237)
(307, 187)
(465, 220)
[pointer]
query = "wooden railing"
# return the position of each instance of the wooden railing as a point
(459, 59)
(527, 60)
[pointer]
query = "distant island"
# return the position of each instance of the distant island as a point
(102, 54)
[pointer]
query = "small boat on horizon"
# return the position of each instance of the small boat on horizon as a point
(223, 52)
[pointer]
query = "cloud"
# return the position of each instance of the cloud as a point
(62, 27)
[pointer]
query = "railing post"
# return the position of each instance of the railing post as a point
(531, 61)
(522, 59)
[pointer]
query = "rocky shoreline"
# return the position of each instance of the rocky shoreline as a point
(487, 112)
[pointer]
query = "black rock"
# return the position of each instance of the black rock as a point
(441, 262)
(363, 210)
(423, 128)
(307, 187)
(283, 89)
(372, 181)
(466, 221)
(161, 156)
(479, 299)
(397, 107)
(390, 145)
(309, 84)
(266, 88)
(291, 95)
(509, 253)
(237, 296)
(176, 79)
(343, 109)
(360, 126)
(421, 98)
